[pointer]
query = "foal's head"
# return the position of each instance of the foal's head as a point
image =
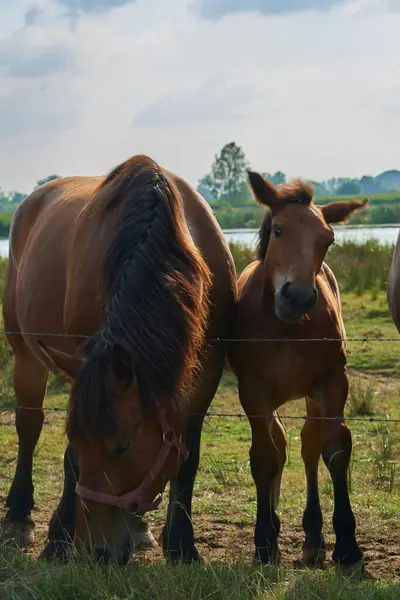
(293, 241)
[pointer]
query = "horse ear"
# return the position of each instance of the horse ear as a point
(339, 212)
(264, 192)
(65, 366)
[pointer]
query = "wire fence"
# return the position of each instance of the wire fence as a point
(82, 336)
(230, 415)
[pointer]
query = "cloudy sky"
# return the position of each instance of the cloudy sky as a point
(310, 87)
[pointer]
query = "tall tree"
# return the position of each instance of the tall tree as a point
(204, 189)
(227, 180)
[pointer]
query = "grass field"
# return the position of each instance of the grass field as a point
(224, 498)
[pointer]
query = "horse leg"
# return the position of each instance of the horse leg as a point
(336, 452)
(267, 458)
(30, 378)
(177, 537)
(314, 544)
(62, 523)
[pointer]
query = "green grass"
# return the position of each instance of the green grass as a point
(159, 582)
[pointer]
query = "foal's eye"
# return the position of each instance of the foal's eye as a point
(276, 231)
(121, 448)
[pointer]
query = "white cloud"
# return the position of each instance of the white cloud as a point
(220, 98)
(307, 93)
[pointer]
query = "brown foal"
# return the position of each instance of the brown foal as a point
(290, 293)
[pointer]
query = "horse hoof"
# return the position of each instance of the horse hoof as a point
(56, 550)
(141, 536)
(355, 571)
(20, 534)
(142, 541)
(313, 558)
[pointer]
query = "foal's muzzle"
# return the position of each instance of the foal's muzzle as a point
(293, 301)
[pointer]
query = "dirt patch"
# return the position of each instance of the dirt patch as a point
(223, 541)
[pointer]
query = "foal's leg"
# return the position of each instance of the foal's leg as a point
(267, 458)
(30, 378)
(177, 537)
(311, 447)
(336, 452)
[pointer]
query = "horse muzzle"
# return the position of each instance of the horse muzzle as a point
(293, 301)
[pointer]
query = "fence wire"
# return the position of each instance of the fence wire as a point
(208, 414)
(227, 415)
(82, 336)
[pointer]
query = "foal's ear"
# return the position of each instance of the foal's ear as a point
(339, 212)
(65, 366)
(263, 190)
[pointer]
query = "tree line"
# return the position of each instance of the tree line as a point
(226, 181)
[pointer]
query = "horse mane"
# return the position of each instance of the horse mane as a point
(156, 314)
(295, 192)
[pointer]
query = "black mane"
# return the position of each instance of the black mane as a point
(155, 317)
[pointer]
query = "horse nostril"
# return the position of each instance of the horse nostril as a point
(312, 301)
(285, 292)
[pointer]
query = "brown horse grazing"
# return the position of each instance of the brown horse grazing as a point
(137, 262)
(288, 293)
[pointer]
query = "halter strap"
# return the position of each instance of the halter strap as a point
(126, 501)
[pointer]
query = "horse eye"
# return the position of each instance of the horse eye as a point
(276, 231)
(121, 448)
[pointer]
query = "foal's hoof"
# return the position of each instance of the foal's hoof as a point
(142, 538)
(355, 571)
(57, 550)
(20, 534)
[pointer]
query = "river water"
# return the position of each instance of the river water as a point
(384, 233)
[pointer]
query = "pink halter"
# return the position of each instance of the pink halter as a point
(126, 501)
